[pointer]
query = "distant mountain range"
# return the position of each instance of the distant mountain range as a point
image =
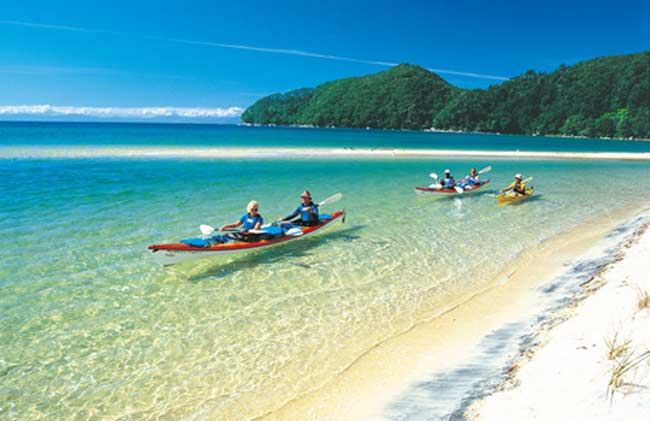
(602, 97)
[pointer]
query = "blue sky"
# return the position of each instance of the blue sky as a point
(218, 57)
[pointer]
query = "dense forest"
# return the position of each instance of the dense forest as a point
(603, 97)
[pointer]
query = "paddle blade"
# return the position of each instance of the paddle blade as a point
(486, 169)
(206, 229)
(294, 232)
(433, 175)
(331, 199)
(436, 186)
(459, 189)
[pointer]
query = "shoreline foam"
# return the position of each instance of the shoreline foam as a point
(140, 152)
(375, 383)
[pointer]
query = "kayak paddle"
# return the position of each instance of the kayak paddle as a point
(334, 198)
(207, 229)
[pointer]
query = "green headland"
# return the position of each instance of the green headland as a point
(603, 97)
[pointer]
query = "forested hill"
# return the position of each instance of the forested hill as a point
(603, 97)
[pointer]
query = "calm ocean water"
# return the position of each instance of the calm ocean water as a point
(104, 134)
(91, 325)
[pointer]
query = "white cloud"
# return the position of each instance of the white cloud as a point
(121, 112)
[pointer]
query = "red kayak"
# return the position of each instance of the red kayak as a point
(451, 191)
(173, 253)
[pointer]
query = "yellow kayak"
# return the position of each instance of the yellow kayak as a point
(515, 197)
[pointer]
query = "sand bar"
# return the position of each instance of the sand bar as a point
(144, 152)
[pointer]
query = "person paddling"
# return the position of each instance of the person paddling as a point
(307, 210)
(251, 220)
(471, 180)
(516, 186)
(448, 181)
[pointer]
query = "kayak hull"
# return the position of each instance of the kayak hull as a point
(513, 197)
(450, 192)
(173, 253)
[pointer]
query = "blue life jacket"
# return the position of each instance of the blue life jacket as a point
(249, 222)
(305, 216)
(448, 182)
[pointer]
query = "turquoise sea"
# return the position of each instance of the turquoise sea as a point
(92, 326)
(116, 134)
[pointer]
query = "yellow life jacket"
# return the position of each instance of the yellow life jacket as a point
(522, 187)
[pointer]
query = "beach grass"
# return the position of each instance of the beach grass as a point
(624, 362)
(643, 298)
(617, 347)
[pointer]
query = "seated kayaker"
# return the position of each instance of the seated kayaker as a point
(471, 180)
(251, 220)
(307, 212)
(447, 181)
(516, 186)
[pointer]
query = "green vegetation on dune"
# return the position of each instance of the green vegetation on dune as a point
(603, 97)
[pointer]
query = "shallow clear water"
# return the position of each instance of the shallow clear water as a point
(90, 324)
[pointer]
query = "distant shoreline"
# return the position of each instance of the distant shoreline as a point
(129, 152)
(199, 123)
(445, 131)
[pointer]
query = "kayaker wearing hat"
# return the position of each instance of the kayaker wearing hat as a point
(517, 186)
(448, 181)
(307, 210)
(251, 220)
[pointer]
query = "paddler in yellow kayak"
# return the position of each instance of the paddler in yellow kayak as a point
(517, 186)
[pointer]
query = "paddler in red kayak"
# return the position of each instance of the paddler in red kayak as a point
(448, 181)
(307, 210)
(516, 186)
(471, 180)
(251, 220)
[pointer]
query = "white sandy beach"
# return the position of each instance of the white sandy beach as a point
(437, 369)
(568, 376)
(44, 152)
